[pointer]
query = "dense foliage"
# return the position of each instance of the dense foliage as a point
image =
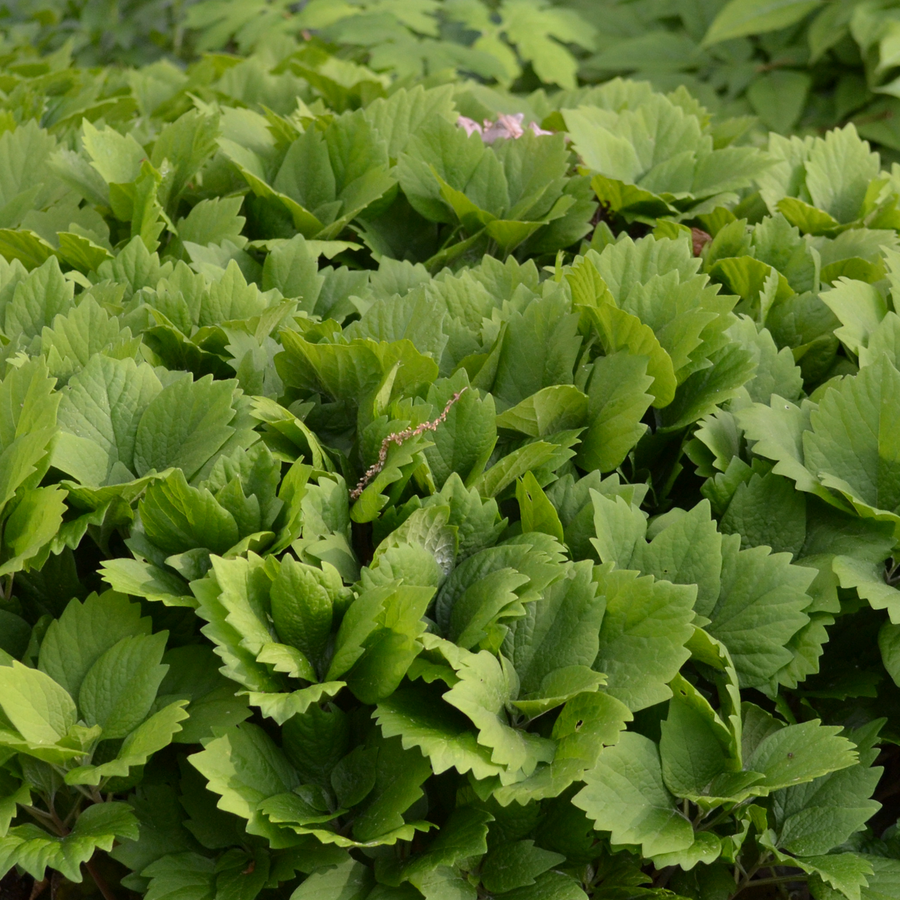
(411, 489)
(797, 65)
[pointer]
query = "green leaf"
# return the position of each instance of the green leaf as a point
(547, 412)
(245, 767)
(760, 607)
(185, 145)
(186, 425)
(86, 331)
(839, 171)
(399, 117)
(119, 689)
(512, 466)
(302, 600)
(847, 872)
(465, 440)
(739, 18)
(515, 865)
(882, 880)
(700, 758)
(38, 708)
(854, 442)
(84, 632)
(814, 818)
(177, 518)
(685, 548)
(619, 332)
(233, 600)
(153, 734)
(30, 528)
(617, 401)
(212, 221)
(889, 645)
(348, 881)
(789, 755)
(625, 795)
(779, 98)
(35, 850)
(620, 527)
(38, 299)
(421, 720)
(193, 675)
(100, 410)
(485, 685)
(144, 579)
(379, 638)
(749, 514)
(642, 612)
(293, 268)
(24, 150)
(117, 157)
(536, 510)
(179, 875)
(558, 631)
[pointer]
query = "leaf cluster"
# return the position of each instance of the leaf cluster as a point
(613, 609)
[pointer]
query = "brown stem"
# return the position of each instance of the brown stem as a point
(100, 881)
(762, 882)
(662, 877)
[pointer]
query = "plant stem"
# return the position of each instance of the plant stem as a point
(724, 814)
(762, 882)
(100, 881)
(42, 817)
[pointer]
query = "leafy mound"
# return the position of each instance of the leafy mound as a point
(393, 509)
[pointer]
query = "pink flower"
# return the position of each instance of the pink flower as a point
(470, 125)
(507, 126)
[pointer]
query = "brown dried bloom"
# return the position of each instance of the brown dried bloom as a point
(400, 437)
(699, 239)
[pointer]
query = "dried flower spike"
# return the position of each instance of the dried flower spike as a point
(398, 438)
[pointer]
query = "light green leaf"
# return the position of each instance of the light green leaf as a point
(119, 689)
(642, 613)
(854, 442)
(186, 425)
(245, 767)
(302, 599)
(789, 755)
(38, 708)
(99, 414)
(760, 607)
(550, 410)
(484, 687)
(31, 526)
(84, 632)
(144, 579)
(151, 736)
(739, 18)
(620, 528)
(421, 720)
(35, 850)
(117, 157)
(625, 795)
(348, 881)
(815, 817)
(617, 401)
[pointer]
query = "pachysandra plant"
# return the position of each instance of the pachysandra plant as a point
(393, 508)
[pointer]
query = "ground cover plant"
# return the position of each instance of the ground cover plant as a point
(411, 489)
(792, 66)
